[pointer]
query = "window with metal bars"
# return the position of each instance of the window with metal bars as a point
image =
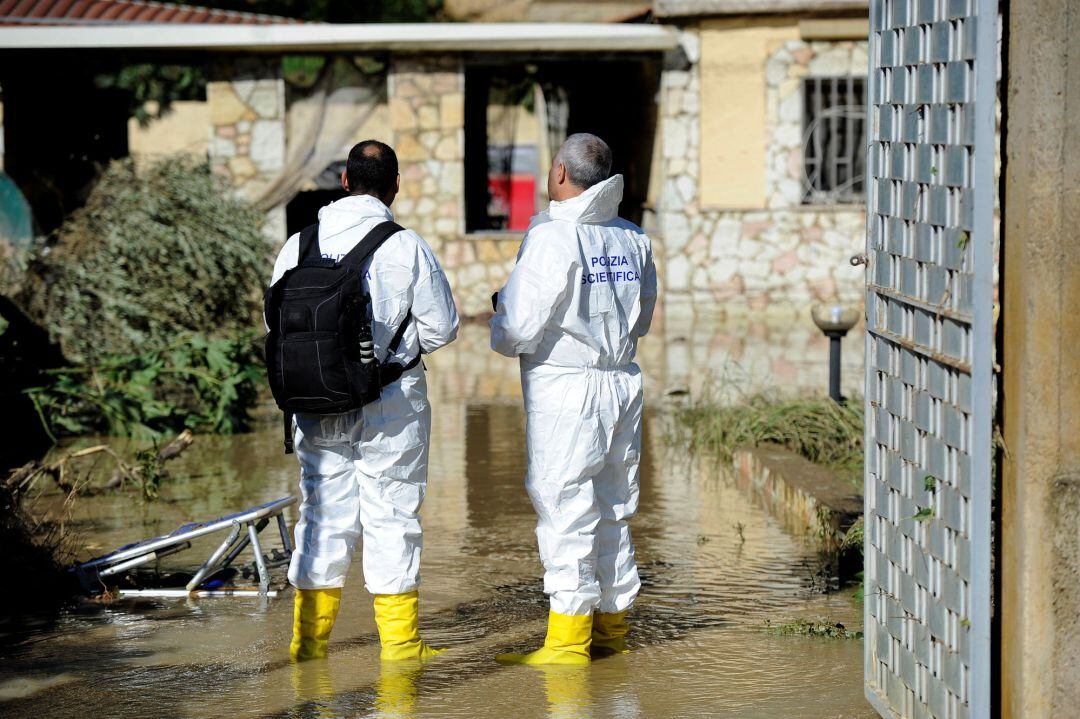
(834, 140)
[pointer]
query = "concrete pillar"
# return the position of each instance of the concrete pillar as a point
(1040, 494)
(247, 129)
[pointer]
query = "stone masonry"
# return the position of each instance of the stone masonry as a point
(427, 106)
(247, 129)
(777, 259)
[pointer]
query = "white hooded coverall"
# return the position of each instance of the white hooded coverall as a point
(580, 296)
(366, 470)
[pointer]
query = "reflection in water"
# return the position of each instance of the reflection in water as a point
(313, 687)
(396, 691)
(714, 567)
(567, 691)
(751, 354)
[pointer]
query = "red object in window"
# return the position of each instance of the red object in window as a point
(513, 197)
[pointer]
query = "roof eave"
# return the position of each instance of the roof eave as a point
(680, 9)
(411, 37)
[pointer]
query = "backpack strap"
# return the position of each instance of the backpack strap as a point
(389, 372)
(399, 335)
(309, 243)
(287, 430)
(371, 242)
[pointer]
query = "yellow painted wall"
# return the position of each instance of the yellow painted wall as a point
(733, 136)
(185, 128)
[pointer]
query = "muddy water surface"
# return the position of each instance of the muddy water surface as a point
(714, 567)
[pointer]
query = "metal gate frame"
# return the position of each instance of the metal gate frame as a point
(929, 356)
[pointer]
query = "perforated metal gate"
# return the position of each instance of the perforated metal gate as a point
(929, 352)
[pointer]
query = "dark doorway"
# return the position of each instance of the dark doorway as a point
(617, 101)
(612, 98)
(303, 210)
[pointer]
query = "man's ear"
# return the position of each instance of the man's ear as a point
(560, 174)
(344, 180)
(397, 183)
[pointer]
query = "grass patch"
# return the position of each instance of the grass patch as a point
(820, 430)
(811, 628)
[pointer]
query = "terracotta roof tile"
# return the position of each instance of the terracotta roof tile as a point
(122, 12)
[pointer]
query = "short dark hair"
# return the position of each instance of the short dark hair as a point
(372, 168)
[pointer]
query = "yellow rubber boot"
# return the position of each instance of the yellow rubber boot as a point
(609, 634)
(567, 642)
(398, 619)
(314, 613)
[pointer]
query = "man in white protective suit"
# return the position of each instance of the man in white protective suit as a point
(365, 471)
(580, 296)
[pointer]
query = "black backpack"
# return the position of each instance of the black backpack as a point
(319, 352)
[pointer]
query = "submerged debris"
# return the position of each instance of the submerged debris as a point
(35, 552)
(146, 472)
(811, 628)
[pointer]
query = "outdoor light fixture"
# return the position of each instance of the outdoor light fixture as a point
(834, 321)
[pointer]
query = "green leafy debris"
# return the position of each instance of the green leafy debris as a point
(923, 514)
(196, 383)
(929, 483)
(811, 628)
(156, 253)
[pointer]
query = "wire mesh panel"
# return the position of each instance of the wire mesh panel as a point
(929, 352)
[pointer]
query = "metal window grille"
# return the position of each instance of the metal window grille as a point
(834, 140)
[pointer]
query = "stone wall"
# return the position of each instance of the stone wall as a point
(427, 114)
(246, 98)
(778, 259)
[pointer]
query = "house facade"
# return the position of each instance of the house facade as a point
(763, 135)
(740, 126)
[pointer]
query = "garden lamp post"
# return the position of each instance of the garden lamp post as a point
(834, 321)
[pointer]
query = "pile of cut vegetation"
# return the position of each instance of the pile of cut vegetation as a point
(152, 291)
(156, 251)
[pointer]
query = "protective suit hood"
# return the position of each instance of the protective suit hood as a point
(597, 205)
(584, 286)
(348, 212)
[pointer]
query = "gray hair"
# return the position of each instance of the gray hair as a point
(587, 159)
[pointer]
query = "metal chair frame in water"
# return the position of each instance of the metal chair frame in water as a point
(243, 529)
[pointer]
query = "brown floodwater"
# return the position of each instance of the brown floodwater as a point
(714, 566)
